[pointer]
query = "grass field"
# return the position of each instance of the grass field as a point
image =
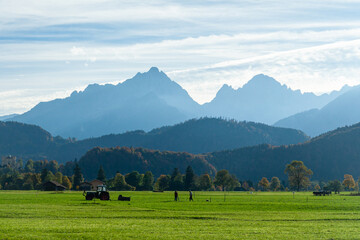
(46, 215)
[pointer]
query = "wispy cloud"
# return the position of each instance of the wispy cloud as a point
(48, 48)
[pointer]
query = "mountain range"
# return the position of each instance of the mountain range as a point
(150, 100)
(264, 100)
(342, 111)
(329, 156)
(193, 136)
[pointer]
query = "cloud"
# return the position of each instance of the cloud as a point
(61, 45)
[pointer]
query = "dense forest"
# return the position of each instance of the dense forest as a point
(126, 159)
(329, 155)
(32, 176)
(193, 136)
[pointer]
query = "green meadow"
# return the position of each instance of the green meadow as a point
(149, 215)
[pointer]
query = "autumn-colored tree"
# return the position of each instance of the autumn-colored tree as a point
(299, 174)
(349, 182)
(317, 187)
(245, 185)
(264, 183)
(66, 182)
(275, 184)
(58, 177)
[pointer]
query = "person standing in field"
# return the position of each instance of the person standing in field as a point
(176, 196)
(191, 196)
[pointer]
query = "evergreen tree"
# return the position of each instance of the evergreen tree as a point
(44, 174)
(101, 174)
(77, 177)
(189, 178)
(176, 182)
(29, 167)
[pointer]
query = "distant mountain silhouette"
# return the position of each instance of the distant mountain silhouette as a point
(146, 101)
(7, 117)
(150, 100)
(265, 100)
(329, 156)
(344, 110)
(193, 136)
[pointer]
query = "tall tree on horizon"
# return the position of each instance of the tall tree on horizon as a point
(148, 181)
(299, 174)
(189, 178)
(77, 177)
(101, 174)
(176, 181)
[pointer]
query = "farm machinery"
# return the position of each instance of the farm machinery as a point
(101, 193)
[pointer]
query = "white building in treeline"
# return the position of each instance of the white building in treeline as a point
(9, 161)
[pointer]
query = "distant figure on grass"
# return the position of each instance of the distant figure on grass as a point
(191, 198)
(176, 196)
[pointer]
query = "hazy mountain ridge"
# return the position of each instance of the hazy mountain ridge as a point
(194, 136)
(106, 109)
(342, 111)
(265, 100)
(7, 117)
(151, 99)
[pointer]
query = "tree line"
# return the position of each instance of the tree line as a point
(35, 173)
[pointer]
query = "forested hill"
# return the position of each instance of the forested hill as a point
(194, 136)
(27, 141)
(126, 159)
(330, 156)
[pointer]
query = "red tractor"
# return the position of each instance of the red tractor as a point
(101, 193)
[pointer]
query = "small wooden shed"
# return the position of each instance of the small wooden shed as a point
(85, 186)
(53, 186)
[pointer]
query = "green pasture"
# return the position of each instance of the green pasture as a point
(48, 215)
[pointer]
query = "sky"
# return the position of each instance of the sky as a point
(50, 48)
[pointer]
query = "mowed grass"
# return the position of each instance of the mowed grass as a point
(48, 215)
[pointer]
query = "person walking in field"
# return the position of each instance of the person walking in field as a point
(191, 196)
(176, 196)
